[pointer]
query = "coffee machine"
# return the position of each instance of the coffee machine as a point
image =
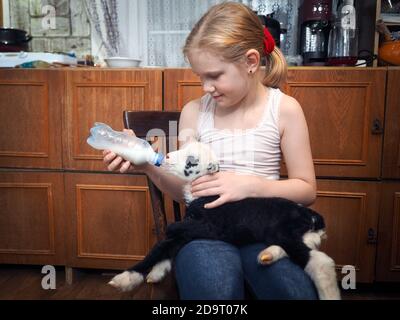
(315, 25)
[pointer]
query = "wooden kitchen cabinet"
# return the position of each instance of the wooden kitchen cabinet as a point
(391, 147)
(345, 115)
(388, 253)
(110, 220)
(388, 260)
(32, 218)
(102, 96)
(350, 210)
(59, 205)
(31, 104)
(181, 86)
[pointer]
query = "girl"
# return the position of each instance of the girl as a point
(248, 122)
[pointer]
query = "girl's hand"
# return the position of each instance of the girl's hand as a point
(117, 163)
(228, 185)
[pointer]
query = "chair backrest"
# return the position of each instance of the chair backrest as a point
(143, 123)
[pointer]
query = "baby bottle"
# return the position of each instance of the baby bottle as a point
(135, 150)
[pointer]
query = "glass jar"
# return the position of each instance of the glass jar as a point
(343, 37)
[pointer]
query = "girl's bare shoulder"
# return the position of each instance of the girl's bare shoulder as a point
(188, 121)
(290, 112)
(190, 113)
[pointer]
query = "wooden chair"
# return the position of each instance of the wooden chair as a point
(143, 123)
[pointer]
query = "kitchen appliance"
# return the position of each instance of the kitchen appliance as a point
(14, 40)
(343, 38)
(315, 26)
(12, 59)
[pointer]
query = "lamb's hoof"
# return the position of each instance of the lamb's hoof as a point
(127, 280)
(270, 255)
(266, 257)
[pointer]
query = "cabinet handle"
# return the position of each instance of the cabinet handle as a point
(377, 127)
(371, 236)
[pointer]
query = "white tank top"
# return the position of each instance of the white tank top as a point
(253, 151)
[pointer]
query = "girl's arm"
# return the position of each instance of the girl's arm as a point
(167, 183)
(295, 145)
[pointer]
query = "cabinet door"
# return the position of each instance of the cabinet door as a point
(180, 86)
(391, 147)
(32, 218)
(102, 96)
(345, 115)
(388, 260)
(350, 210)
(31, 102)
(110, 220)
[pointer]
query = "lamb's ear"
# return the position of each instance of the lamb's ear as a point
(212, 167)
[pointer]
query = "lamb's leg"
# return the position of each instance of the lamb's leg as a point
(270, 255)
(159, 271)
(321, 269)
(312, 239)
(274, 253)
(133, 277)
(317, 265)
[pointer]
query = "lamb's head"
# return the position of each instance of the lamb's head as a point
(194, 160)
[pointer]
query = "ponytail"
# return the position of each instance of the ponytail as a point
(276, 69)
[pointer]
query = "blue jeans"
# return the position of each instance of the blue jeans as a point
(216, 270)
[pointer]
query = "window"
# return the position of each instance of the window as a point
(155, 30)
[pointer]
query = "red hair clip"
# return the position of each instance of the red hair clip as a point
(269, 42)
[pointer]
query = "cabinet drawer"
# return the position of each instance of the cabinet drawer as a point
(31, 102)
(345, 115)
(391, 148)
(32, 219)
(388, 253)
(350, 210)
(102, 96)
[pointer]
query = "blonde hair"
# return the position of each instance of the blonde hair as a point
(230, 29)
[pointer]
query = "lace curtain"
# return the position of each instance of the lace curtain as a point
(155, 30)
(170, 21)
(103, 17)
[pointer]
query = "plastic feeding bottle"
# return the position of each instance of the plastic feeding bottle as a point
(135, 150)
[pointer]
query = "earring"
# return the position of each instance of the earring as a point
(251, 71)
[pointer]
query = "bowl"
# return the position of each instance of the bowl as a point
(389, 52)
(122, 62)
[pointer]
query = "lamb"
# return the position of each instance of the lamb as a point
(286, 228)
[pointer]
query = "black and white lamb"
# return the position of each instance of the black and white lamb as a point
(286, 228)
